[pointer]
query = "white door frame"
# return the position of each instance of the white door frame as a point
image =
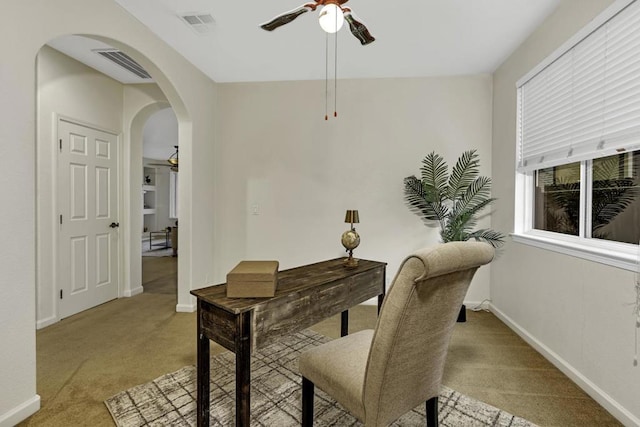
(56, 209)
(132, 175)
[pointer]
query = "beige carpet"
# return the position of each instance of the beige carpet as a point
(86, 358)
(275, 396)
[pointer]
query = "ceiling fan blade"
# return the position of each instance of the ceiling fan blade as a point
(287, 17)
(357, 28)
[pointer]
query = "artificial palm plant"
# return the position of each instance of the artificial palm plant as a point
(453, 200)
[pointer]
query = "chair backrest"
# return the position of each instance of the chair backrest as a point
(412, 335)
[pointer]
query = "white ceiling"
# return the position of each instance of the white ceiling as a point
(414, 38)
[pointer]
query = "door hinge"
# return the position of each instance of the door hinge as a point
(60, 293)
(60, 144)
(60, 219)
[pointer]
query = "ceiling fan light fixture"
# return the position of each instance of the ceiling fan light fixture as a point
(331, 18)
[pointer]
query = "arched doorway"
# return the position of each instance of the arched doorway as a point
(160, 199)
(97, 108)
(191, 94)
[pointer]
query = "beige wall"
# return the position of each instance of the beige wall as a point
(140, 102)
(276, 151)
(575, 311)
(192, 96)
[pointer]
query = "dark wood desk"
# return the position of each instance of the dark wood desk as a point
(305, 296)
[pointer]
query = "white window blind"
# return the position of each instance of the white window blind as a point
(586, 103)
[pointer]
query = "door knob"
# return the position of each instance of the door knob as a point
(114, 225)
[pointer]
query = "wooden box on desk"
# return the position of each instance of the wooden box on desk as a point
(253, 279)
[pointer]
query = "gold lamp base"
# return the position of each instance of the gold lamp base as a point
(351, 262)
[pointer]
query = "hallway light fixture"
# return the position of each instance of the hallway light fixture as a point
(173, 160)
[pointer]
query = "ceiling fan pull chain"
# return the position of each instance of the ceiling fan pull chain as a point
(326, 77)
(335, 74)
(330, 9)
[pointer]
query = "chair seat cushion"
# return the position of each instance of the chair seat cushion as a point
(338, 368)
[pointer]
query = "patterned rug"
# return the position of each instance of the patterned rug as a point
(158, 248)
(275, 396)
(155, 251)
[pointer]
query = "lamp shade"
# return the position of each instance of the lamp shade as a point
(352, 217)
(331, 18)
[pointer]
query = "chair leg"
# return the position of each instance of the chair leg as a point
(307, 402)
(432, 412)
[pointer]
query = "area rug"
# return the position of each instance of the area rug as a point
(275, 396)
(157, 252)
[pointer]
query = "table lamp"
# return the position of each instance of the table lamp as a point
(350, 238)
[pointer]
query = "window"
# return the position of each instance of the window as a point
(611, 207)
(557, 199)
(578, 166)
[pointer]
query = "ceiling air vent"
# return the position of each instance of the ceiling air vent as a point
(201, 23)
(123, 60)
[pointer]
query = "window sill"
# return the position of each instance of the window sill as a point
(619, 255)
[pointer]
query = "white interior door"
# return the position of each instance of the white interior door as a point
(88, 203)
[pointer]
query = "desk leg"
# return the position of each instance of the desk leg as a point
(344, 323)
(202, 401)
(384, 292)
(243, 370)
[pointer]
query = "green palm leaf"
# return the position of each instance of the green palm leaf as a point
(453, 200)
(417, 200)
(494, 238)
(434, 177)
(476, 193)
(610, 198)
(461, 221)
(463, 173)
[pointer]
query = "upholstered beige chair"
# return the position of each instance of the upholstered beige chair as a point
(379, 375)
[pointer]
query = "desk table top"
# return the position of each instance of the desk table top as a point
(289, 282)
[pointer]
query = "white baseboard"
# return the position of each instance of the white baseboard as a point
(599, 395)
(476, 304)
(133, 292)
(185, 308)
(46, 322)
(20, 412)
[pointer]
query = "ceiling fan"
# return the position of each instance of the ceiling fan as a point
(332, 16)
(172, 161)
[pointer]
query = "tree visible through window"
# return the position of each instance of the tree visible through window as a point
(608, 203)
(557, 199)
